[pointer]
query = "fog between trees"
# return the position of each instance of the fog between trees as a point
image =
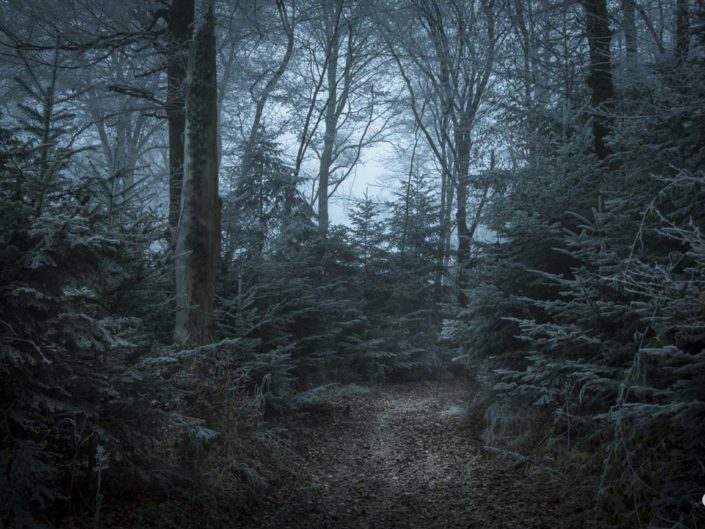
(179, 316)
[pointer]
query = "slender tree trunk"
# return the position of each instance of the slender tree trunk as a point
(407, 205)
(181, 15)
(600, 79)
(682, 29)
(198, 233)
(48, 104)
(331, 123)
(461, 217)
(630, 35)
(446, 223)
(483, 200)
(441, 232)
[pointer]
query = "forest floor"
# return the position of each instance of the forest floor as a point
(405, 456)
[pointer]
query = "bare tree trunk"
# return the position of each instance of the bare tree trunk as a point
(630, 35)
(198, 234)
(332, 113)
(48, 109)
(446, 223)
(483, 200)
(600, 79)
(407, 205)
(461, 217)
(445, 213)
(682, 29)
(181, 15)
(328, 140)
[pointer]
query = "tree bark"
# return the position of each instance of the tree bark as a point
(461, 218)
(198, 233)
(328, 139)
(407, 205)
(181, 15)
(334, 107)
(630, 35)
(600, 78)
(682, 29)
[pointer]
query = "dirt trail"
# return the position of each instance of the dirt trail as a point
(405, 458)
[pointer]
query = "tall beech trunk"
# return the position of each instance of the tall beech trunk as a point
(600, 79)
(198, 233)
(630, 36)
(461, 217)
(682, 29)
(331, 124)
(337, 99)
(181, 13)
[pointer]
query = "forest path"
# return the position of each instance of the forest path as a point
(405, 458)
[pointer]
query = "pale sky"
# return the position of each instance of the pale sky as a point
(368, 175)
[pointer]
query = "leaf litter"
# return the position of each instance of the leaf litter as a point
(406, 456)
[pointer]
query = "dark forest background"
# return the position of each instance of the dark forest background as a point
(175, 302)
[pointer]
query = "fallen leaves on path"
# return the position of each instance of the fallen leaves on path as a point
(405, 457)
